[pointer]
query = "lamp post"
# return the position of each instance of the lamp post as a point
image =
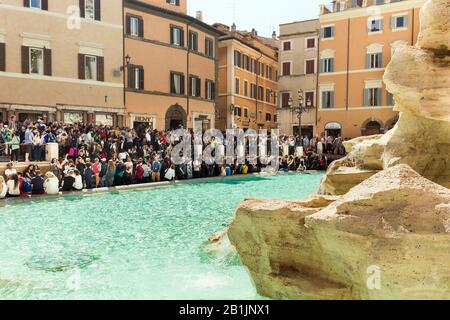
(127, 63)
(300, 110)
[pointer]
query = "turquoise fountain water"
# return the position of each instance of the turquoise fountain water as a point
(142, 244)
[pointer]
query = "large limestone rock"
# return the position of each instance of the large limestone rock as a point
(387, 233)
(302, 250)
(419, 79)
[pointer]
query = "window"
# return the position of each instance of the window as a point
(136, 77)
(135, 26)
(89, 9)
(327, 32)
(372, 97)
(285, 96)
(237, 59)
(275, 118)
(237, 84)
(310, 66)
(193, 41)
(310, 43)
(90, 67)
(375, 25)
(286, 68)
(390, 99)
(379, 2)
(260, 93)
(268, 95)
(269, 73)
(35, 4)
(262, 69)
(194, 86)
(173, 2)
(268, 117)
(237, 111)
(210, 90)
(374, 60)
(327, 99)
(246, 88)
(253, 91)
(327, 65)
(399, 22)
(36, 61)
(245, 112)
(177, 36)
(2, 56)
(177, 83)
(287, 46)
(209, 47)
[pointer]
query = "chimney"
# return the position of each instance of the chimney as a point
(233, 27)
(274, 35)
(254, 32)
(199, 15)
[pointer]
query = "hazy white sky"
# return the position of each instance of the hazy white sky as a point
(263, 15)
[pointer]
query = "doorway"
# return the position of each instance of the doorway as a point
(176, 117)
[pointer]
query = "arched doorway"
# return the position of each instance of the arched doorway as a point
(372, 127)
(390, 124)
(333, 129)
(176, 117)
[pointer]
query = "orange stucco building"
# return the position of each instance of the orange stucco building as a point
(357, 41)
(171, 66)
(248, 88)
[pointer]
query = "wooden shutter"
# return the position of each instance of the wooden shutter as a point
(47, 62)
(182, 84)
(378, 97)
(98, 10)
(82, 10)
(132, 77)
(172, 83)
(177, 2)
(332, 65)
(324, 100)
(332, 99)
(141, 27)
(199, 87)
(380, 60)
(44, 5)
(393, 24)
(100, 69)
(2, 57)
(81, 71)
(128, 25)
(25, 59)
(368, 61)
(26, 3)
(141, 78)
(182, 37)
(405, 21)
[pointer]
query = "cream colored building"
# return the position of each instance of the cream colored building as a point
(298, 71)
(61, 61)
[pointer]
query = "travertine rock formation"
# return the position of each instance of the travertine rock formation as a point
(386, 233)
(396, 222)
(419, 79)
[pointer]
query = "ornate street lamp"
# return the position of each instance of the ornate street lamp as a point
(127, 63)
(300, 109)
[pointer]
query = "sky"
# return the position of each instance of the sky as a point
(263, 15)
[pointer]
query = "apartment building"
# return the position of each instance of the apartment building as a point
(61, 60)
(357, 41)
(171, 66)
(298, 76)
(248, 89)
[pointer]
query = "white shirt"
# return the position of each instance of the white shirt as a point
(51, 186)
(78, 185)
(170, 174)
(10, 172)
(11, 189)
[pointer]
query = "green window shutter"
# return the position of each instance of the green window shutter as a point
(321, 65)
(380, 60)
(379, 97)
(324, 100)
(332, 65)
(332, 99)
(366, 97)
(368, 61)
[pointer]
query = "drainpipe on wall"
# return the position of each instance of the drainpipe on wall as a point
(124, 69)
(413, 25)
(188, 82)
(317, 78)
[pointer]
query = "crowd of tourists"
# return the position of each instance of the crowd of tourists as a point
(93, 156)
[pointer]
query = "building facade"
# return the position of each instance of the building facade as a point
(357, 41)
(298, 71)
(61, 59)
(171, 66)
(248, 88)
